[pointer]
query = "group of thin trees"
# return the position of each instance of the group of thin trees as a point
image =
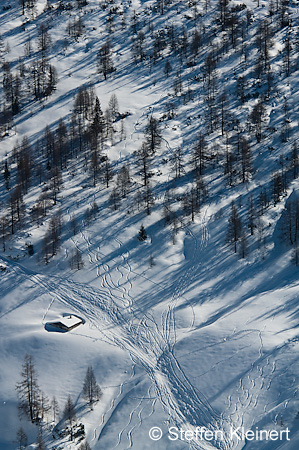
(240, 228)
(35, 405)
(289, 227)
(196, 47)
(27, 6)
(37, 79)
(44, 163)
(90, 127)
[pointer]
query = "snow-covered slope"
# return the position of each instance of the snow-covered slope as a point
(181, 331)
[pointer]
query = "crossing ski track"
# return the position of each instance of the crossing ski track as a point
(251, 387)
(175, 388)
(249, 394)
(168, 317)
(148, 345)
(110, 307)
(137, 331)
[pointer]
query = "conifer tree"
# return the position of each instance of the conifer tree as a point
(105, 62)
(95, 165)
(295, 161)
(6, 175)
(246, 160)
(44, 405)
(28, 391)
(114, 199)
(55, 409)
(144, 162)
(177, 162)
(142, 236)
(4, 231)
(123, 180)
(98, 123)
(76, 260)
(91, 390)
(234, 230)
(199, 155)
(153, 135)
(243, 245)
(108, 172)
(148, 198)
(113, 107)
(69, 414)
(167, 68)
(256, 117)
(44, 39)
(251, 215)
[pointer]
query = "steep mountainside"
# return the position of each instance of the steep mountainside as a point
(149, 186)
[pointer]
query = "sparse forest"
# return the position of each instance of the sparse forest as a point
(148, 168)
(36, 407)
(223, 136)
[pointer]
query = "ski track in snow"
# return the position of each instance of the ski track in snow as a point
(147, 345)
(185, 281)
(115, 401)
(111, 308)
(253, 385)
(151, 347)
